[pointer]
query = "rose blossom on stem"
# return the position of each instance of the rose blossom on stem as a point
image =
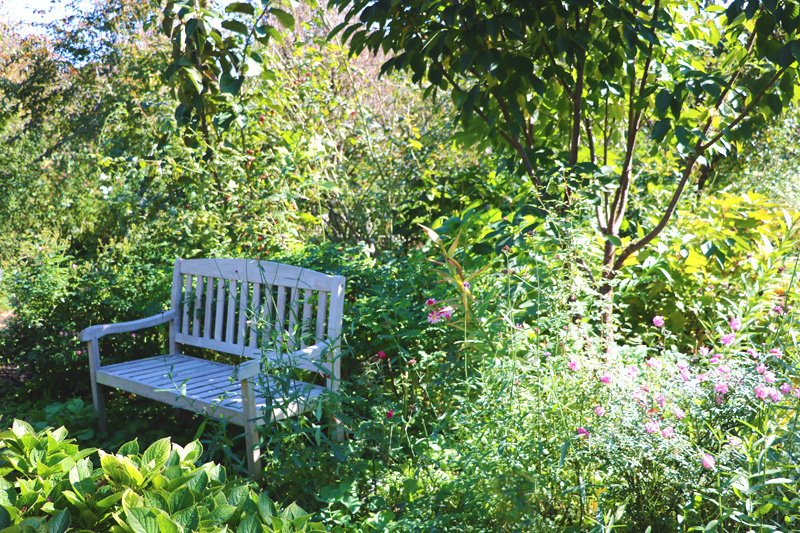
(658, 321)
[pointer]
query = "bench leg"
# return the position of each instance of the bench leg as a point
(251, 437)
(99, 406)
(97, 391)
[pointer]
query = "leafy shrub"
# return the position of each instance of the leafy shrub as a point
(728, 246)
(46, 481)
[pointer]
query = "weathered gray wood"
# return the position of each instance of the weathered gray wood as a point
(208, 310)
(175, 300)
(93, 350)
(233, 287)
(308, 294)
(267, 321)
(321, 309)
(220, 309)
(280, 318)
(252, 442)
(254, 314)
(243, 326)
(100, 330)
(257, 271)
(186, 292)
(335, 338)
(240, 393)
(293, 319)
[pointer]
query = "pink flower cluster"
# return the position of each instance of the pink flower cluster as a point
(442, 313)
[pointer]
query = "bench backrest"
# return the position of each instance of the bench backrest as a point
(247, 307)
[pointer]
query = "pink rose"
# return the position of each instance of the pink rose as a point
(658, 321)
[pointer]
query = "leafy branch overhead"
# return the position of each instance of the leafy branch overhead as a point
(212, 55)
(578, 81)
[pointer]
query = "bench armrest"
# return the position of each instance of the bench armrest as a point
(304, 359)
(100, 330)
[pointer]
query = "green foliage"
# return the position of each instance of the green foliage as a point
(541, 83)
(48, 483)
(728, 254)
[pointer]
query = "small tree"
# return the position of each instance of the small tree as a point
(579, 80)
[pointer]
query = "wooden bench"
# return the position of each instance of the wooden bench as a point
(271, 315)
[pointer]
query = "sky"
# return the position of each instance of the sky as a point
(24, 14)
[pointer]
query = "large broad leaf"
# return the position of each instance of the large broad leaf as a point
(249, 525)
(286, 20)
(240, 7)
(165, 525)
(181, 499)
(266, 509)
(235, 26)
(189, 519)
(59, 523)
(143, 520)
(156, 455)
(80, 477)
(121, 471)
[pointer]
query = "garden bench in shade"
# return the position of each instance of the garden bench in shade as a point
(270, 315)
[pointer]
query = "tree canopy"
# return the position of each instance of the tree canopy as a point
(578, 81)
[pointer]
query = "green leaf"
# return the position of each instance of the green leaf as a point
(236, 27)
(286, 19)
(5, 518)
(266, 509)
(80, 477)
(613, 239)
(59, 523)
(165, 525)
(142, 520)
(663, 100)
(223, 513)
(156, 454)
(249, 525)
(129, 448)
(229, 85)
(181, 499)
(240, 7)
(195, 77)
(660, 130)
(189, 518)
(121, 471)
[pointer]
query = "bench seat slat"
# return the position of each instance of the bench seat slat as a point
(208, 387)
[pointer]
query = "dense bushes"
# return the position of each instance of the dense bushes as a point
(49, 483)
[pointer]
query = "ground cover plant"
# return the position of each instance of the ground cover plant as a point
(544, 331)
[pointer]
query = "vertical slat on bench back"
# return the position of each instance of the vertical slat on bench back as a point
(209, 302)
(220, 315)
(233, 286)
(248, 307)
(255, 307)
